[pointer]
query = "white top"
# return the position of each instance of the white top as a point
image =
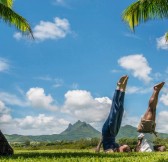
(147, 142)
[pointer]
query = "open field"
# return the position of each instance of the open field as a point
(83, 156)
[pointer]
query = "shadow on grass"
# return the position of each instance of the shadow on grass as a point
(71, 155)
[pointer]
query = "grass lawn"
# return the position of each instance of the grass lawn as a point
(83, 156)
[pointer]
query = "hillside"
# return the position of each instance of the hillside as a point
(129, 131)
(77, 131)
(80, 130)
(73, 132)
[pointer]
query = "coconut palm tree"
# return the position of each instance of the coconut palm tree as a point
(13, 18)
(144, 10)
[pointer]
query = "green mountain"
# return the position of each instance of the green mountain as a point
(129, 131)
(73, 132)
(77, 131)
(80, 130)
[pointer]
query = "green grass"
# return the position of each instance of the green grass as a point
(83, 156)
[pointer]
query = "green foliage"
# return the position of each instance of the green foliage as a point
(161, 141)
(27, 143)
(8, 3)
(80, 144)
(166, 36)
(13, 18)
(144, 10)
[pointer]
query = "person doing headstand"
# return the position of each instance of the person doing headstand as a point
(147, 124)
(112, 124)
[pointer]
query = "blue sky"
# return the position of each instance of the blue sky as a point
(69, 72)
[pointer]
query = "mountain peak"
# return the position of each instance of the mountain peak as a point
(81, 130)
(78, 121)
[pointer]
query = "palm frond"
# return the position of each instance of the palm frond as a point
(166, 36)
(8, 3)
(144, 10)
(11, 17)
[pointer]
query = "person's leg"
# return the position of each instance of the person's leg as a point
(99, 145)
(117, 109)
(150, 114)
(147, 124)
(109, 128)
(159, 148)
(121, 105)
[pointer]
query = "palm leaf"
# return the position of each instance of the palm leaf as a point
(11, 17)
(166, 36)
(8, 3)
(144, 10)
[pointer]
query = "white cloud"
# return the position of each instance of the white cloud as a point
(161, 43)
(162, 121)
(11, 99)
(63, 122)
(83, 106)
(5, 116)
(115, 71)
(78, 105)
(4, 65)
(45, 78)
(39, 99)
(30, 122)
(134, 89)
(17, 36)
(30, 125)
(157, 76)
(60, 2)
(138, 65)
(34, 125)
(164, 99)
(130, 120)
(41, 124)
(75, 86)
(49, 30)
(131, 35)
(58, 83)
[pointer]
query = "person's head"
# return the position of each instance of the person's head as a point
(162, 148)
(124, 148)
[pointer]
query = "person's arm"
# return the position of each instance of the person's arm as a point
(99, 145)
(138, 146)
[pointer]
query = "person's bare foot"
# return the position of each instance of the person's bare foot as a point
(124, 84)
(120, 82)
(159, 86)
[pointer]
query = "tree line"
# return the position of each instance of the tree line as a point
(79, 144)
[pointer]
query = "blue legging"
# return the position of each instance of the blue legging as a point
(112, 124)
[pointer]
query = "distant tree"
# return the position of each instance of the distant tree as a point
(13, 18)
(27, 143)
(144, 10)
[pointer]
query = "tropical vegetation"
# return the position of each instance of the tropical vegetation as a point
(9, 16)
(144, 10)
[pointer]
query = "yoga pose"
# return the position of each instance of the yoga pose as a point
(112, 124)
(147, 125)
